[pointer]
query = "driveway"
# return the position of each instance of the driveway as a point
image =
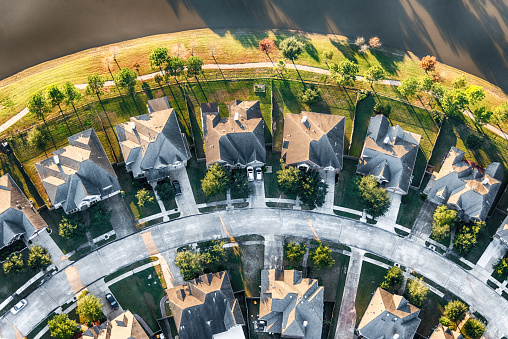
(274, 252)
(186, 202)
(423, 224)
(121, 218)
(100, 289)
(329, 178)
(257, 197)
(44, 239)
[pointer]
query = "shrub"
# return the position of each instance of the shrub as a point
(381, 108)
(294, 252)
(39, 257)
(322, 256)
(311, 96)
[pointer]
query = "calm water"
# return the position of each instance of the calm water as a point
(471, 34)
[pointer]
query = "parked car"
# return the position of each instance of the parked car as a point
(112, 301)
(259, 174)
(250, 173)
(19, 306)
(176, 185)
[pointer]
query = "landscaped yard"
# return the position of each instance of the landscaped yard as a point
(411, 205)
(371, 277)
(346, 193)
(485, 236)
(11, 282)
(196, 171)
(53, 219)
(270, 179)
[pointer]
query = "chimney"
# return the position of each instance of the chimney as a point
(133, 126)
(304, 119)
(56, 159)
(237, 116)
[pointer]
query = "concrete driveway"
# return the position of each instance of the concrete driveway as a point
(185, 202)
(257, 197)
(329, 178)
(121, 217)
(423, 224)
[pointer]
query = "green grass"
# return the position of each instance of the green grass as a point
(411, 205)
(329, 276)
(364, 111)
(346, 193)
(270, 179)
(141, 293)
(129, 268)
(485, 236)
(348, 215)
(430, 313)
(39, 328)
(9, 283)
(53, 219)
(196, 171)
(371, 277)
(378, 258)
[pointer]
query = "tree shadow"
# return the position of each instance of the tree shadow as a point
(147, 90)
(346, 50)
(312, 51)
(388, 62)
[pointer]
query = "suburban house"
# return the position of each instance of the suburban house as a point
(122, 327)
(443, 332)
(313, 141)
(237, 141)
(290, 305)
(18, 218)
(79, 175)
(502, 233)
(152, 144)
(465, 187)
(389, 316)
(206, 308)
(389, 154)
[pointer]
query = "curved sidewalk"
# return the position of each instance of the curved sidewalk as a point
(170, 235)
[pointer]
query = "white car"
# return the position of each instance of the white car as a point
(19, 306)
(250, 173)
(259, 174)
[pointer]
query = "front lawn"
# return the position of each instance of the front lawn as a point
(196, 171)
(270, 179)
(371, 277)
(141, 293)
(346, 192)
(485, 236)
(12, 281)
(53, 219)
(411, 205)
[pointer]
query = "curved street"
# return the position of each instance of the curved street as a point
(171, 235)
(469, 35)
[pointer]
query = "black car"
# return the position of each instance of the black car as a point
(112, 301)
(176, 185)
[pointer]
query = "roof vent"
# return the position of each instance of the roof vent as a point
(395, 336)
(485, 181)
(386, 140)
(56, 159)
(133, 126)
(305, 323)
(304, 119)
(237, 116)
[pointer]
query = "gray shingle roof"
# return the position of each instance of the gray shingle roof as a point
(461, 186)
(502, 232)
(234, 142)
(291, 305)
(205, 306)
(17, 216)
(314, 139)
(389, 153)
(153, 143)
(77, 171)
(388, 315)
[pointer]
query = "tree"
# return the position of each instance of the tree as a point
(89, 308)
(189, 264)
(143, 197)
(393, 277)
(238, 182)
(158, 58)
(442, 215)
(311, 96)
(473, 328)
(428, 63)
(475, 94)
(127, 79)
(501, 268)
(213, 252)
(14, 264)
(294, 252)
(417, 291)
(374, 42)
(38, 139)
(39, 258)
(312, 191)
(56, 97)
(37, 105)
(289, 180)
(69, 229)
(500, 113)
(216, 181)
(166, 191)
(375, 198)
(72, 95)
(374, 73)
(291, 48)
(440, 231)
(280, 67)
(425, 83)
(267, 45)
(194, 66)
(455, 311)
(322, 256)
(61, 327)
(94, 86)
(459, 82)
(327, 55)
(408, 87)
(467, 238)
(482, 115)
(344, 73)
(175, 66)
(454, 101)
(437, 90)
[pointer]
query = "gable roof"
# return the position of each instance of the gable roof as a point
(17, 215)
(78, 170)
(389, 153)
(291, 305)
(205, 306)
(153, 141)
(122, 327)
(443, 332)
(388, 315)
(458, 183)
(239, 139)
(313, 137)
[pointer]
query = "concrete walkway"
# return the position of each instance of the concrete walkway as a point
(160, 202)
(274, 252)
(329, 178)
(257, 197)
(390, 217)
(347, 314)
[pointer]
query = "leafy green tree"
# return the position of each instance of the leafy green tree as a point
(39, 257)
(194, 66)
(425, 83)
(437, 90)
(189, 264)
(375, 73)
(89, 308)
(216, 181)
(95, 86)
(440, 231)
(37, 105)
(482, 115)
(174, 67)
(344, 73)
(501, 268)
(456, 311)
(467, 238)
(239, 183)
(311, 96)
(375, 198)
(294, 252)
(312, 191)
(454, 101)
(143, 197)
(127, 79)
(473, 328)
(444, 220)
(408, 87)
(500, 113)
(288, 179)
(14, 264)
(158, 58)
(393, 277)
(322, 256)
(69, 229)
(72, 95)
(213, 253)
(56, 97)
(475, 94)
(291, 48)
(459, 82)
(445, 321)
(327, 55)
(61, 327)
(417, 291)
(166, 191)
(38, 139)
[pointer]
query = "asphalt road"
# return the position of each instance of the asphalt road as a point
(174, 234)
(469, 34)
